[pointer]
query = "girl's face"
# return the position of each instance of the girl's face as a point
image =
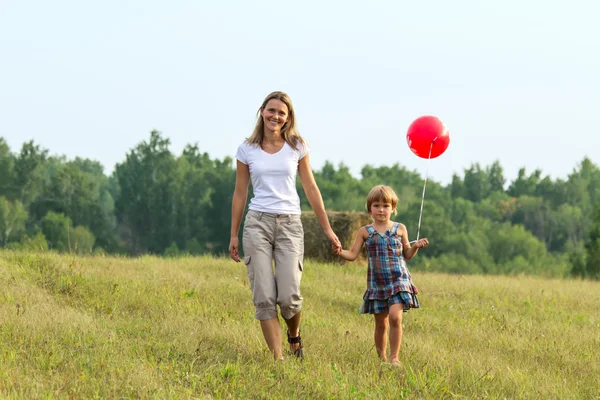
(275, 115)
(381, 211)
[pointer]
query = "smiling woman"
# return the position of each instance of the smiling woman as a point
(270, 158)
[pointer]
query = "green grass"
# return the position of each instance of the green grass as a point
(108, 327)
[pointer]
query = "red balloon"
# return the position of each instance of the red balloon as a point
(428, 133)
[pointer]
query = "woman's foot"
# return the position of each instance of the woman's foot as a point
(296, 346)
(395, 361)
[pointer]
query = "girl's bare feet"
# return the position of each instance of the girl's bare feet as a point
(395, 362)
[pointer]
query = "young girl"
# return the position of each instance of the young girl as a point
(390, 290)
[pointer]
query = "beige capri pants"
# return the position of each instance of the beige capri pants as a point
(280, 238)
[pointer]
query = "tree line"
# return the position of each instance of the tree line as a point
(160, 203)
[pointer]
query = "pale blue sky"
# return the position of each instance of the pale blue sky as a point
(517, 81)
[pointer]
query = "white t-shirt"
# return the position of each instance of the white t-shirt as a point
(273, 177)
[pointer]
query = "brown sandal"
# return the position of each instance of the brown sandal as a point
(299, 352)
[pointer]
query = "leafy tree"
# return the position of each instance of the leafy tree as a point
(496, 177)
(193, 201)
(577, 259)
(84, 240)
(205, 189)
(555, 193)
(494, 206)
(525, 185)
(462, 212)
(58, 230)
(146, 203)
(36, 243)
(507, 242)
(435, 225)
(457, 187)
(339, 189)
(472, 246)
(567, 228)
(28, 172)
(12, 220)
(7, 162)
(477, 183)
(592, 248)
(535, 214)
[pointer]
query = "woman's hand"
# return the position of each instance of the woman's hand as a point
(336, 245)
(234, 244)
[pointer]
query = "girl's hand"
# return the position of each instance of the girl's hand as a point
(421, 243)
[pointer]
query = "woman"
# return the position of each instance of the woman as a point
(271, 157)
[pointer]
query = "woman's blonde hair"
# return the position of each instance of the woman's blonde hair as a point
(288, 131)
(384, 194)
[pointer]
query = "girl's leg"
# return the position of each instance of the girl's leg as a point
(272, 333)
(381, 327)
(396, 311)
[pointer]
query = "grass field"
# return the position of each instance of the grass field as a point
(109, 327)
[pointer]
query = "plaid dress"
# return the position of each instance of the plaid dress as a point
(388, 279)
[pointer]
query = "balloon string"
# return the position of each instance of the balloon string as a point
(423, 194)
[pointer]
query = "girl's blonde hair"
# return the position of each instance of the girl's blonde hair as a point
(384, 194)
(288, 131)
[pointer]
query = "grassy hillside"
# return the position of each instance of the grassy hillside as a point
(85, 327)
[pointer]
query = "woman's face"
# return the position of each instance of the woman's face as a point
(275, 115)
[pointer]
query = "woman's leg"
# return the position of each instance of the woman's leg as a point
(381, 327)
(395, 317)
(293, 325)
(288, 254)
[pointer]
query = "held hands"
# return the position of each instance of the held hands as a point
(234, 244)
(337, 250)
(336, 245)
